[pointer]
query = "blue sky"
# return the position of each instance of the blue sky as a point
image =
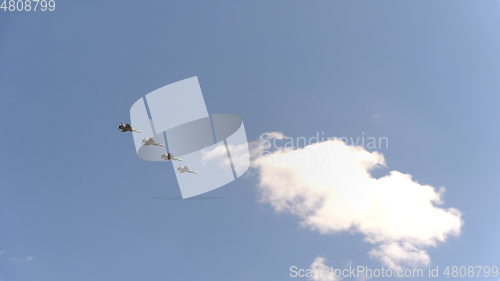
(74, 195)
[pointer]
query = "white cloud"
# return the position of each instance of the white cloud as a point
(273, 135)
(29, 258)
(14, 259)
(218, 153)
(321, 272)
(328, 185)
(393, 254)
(240, 152)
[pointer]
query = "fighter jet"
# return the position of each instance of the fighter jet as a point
(127, 128)
(151, 141)
(184, 169)
(169, 156)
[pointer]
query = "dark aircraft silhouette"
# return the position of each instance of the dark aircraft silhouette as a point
(127, 128)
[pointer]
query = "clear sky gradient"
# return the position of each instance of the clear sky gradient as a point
(76, 198)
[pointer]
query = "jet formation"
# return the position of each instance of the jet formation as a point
(150, 141)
